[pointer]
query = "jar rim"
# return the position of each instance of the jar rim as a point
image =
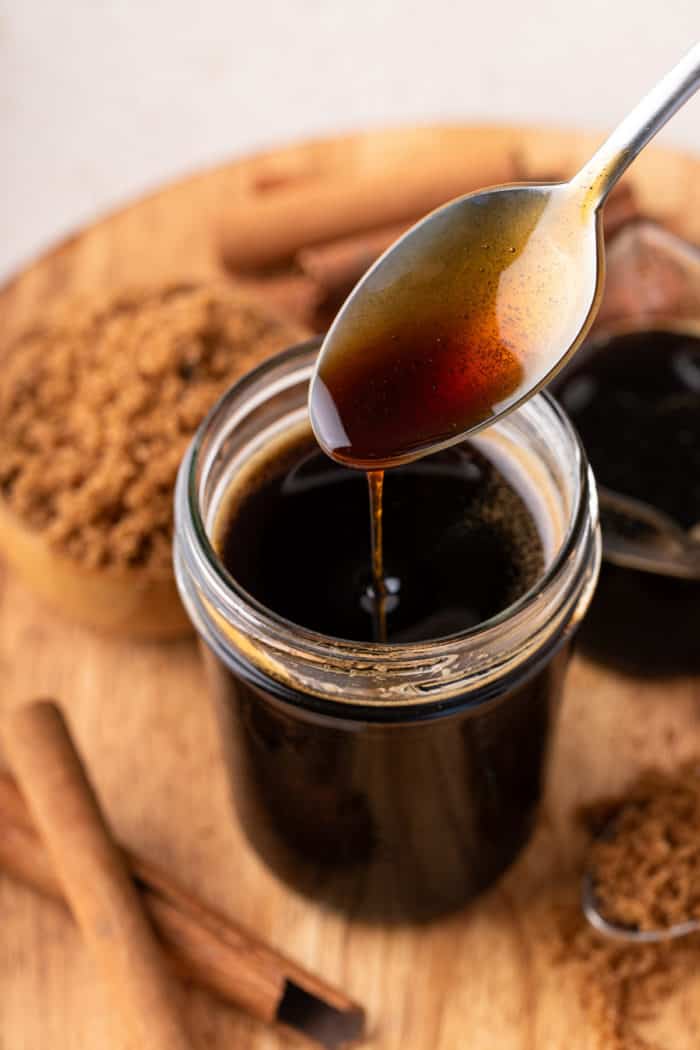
(250, 379)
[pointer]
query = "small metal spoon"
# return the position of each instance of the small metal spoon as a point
(662, 546)
(628, 933)
(516, 271)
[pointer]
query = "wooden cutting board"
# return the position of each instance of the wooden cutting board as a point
(484, 978)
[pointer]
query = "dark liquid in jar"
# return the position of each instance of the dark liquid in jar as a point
(402, 817)
(635, 401)
(460, 543)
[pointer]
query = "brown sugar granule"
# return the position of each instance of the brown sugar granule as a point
(98, 405)
(647, 872)
(622, 987)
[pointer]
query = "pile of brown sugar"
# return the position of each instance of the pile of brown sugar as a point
(97, 407)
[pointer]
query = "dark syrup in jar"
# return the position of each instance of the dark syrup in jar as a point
(635, 400)
(460, 542)
(410, 818)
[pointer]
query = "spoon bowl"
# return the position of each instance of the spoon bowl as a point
(469, 313)
(628, 934)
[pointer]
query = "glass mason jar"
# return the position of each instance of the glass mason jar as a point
(395, 781)
(643, 582)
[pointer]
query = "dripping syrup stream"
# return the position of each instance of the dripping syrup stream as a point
(375, 480)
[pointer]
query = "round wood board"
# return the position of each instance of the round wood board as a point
(483, 978)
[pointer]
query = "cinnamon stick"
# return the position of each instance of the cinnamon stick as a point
(273, 227)
(339, 264)
(294, 295)
(203, 946)
(269, 229)
(93, 876)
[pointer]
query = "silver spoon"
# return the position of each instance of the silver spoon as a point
(662, 546)
(628, 933)
(476, 307)
(617, 931)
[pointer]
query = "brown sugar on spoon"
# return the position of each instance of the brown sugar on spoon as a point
(97, 405)
(647, 872)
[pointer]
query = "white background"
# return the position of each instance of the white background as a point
(100, 101)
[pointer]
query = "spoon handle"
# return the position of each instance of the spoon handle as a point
(618, 151)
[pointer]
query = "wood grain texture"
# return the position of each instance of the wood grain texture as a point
(483, 978)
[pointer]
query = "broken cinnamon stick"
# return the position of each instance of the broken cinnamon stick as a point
(203, 946)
